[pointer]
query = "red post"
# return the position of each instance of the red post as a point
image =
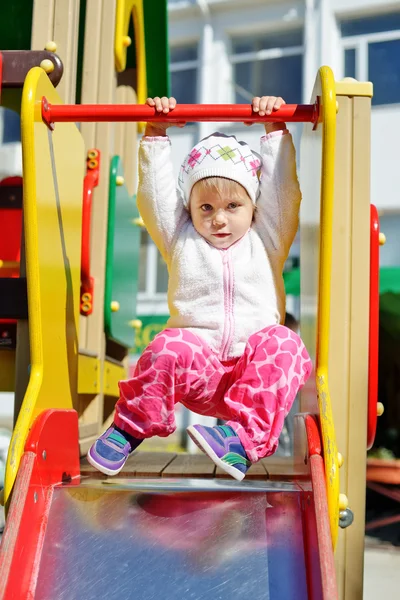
(373, 328)
(79, 113)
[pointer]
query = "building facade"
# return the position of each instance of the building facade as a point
(227, 51)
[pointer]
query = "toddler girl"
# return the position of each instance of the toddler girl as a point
(224, 234)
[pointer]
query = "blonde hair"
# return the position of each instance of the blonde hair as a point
(223, 186)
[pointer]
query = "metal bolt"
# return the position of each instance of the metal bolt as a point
(346, 518)
(44, 454)
(35, 497)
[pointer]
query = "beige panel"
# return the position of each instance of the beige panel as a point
(340, 303)
(58, 20)
(348, 363)
(42, 23)
(359, 321)
(104, 142)
(89, 92)
(91, 65)
(65, 34)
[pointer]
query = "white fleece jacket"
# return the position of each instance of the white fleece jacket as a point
(224, 296)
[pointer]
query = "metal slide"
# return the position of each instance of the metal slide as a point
(74, 537)
(174, 539)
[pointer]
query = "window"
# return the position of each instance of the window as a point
(183, 67)
(371, 51)
(268, 64)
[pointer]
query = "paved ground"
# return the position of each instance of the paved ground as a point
(381, 573)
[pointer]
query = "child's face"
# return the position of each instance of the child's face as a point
(219, 217)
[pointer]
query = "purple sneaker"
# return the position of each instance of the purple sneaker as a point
(223, 446)
(111, 450)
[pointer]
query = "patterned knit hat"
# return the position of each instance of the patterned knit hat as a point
(220, 155)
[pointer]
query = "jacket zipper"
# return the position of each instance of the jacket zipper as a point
(228, 303)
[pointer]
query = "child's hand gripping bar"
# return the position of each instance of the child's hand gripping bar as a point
(79, 113)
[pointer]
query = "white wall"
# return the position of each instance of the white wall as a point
(385, 157)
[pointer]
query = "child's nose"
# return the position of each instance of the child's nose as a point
(219, 218)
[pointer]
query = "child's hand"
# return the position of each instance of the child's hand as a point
(265, 106)
(162, 105)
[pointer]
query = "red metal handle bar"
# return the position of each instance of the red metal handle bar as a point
(79, 113)
(373, 328)
(90, 181)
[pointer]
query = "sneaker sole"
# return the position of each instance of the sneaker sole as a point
(101, 467)
(205, 447)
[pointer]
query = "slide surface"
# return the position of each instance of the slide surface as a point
(174, 539)
(72, 534)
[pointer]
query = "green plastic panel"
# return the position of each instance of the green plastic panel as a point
(157, 47)
(122, 261)
(16, 25)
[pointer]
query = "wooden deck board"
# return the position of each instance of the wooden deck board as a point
(149, 464)
(190, 465)
(279, 468)
(169, 464)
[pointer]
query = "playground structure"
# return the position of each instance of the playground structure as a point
(76, 327)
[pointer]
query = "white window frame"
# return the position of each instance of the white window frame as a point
(360, 44)
(186, 65)
(260, 55)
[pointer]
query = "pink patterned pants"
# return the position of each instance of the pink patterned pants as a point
(254, 393)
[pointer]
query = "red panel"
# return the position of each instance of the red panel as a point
(51, 456)
(10, 235)
(79, 113)
(55, 441)
(10, 232)
(373, 328)
(17, 180)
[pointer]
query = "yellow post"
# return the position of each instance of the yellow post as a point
(53, 165)
(318, 154)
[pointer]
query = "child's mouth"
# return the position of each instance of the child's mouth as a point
(221, 235)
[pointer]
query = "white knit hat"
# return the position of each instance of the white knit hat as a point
(220, 155)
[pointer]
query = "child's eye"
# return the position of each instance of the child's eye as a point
(206, 207)
(232, 205)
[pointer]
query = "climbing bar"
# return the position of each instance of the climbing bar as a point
(79, 113)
